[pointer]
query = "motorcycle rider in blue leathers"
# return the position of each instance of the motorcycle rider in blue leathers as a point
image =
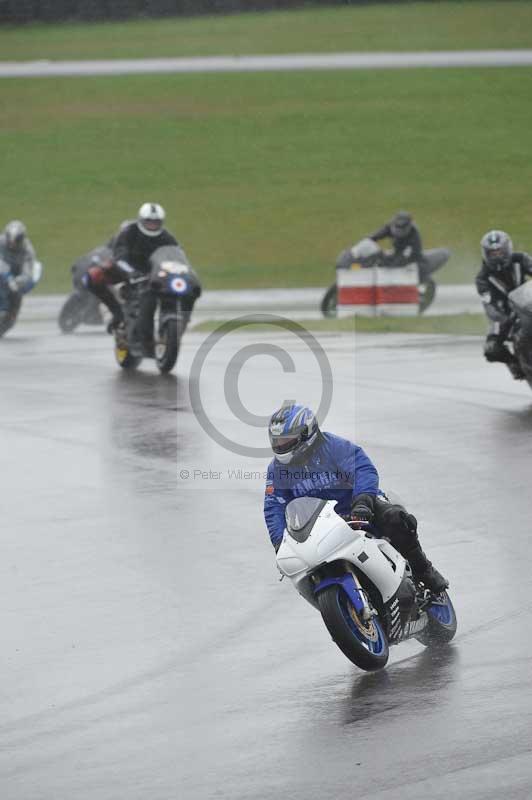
(312, 463)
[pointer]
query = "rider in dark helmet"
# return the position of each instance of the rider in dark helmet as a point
(406, 240)
(502, 271)
(311, 463)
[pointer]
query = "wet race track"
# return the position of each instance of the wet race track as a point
(148, 648)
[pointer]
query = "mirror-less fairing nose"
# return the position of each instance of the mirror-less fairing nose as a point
(361, 585)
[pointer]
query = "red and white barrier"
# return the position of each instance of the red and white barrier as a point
(378, 291)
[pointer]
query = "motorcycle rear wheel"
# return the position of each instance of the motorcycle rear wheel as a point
(125, 359)
(328, 304)
(363, 642)
(442, 622)
(427, 293)
(71, 314)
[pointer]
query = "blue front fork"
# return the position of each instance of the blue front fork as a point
(347, 582)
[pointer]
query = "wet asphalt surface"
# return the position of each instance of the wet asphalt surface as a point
(148, 648)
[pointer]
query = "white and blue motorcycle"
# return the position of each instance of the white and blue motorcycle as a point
(361, 585)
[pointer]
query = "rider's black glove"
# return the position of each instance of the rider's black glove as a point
(362, 508)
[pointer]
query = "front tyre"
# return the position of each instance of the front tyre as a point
(329, 302)
(362, 641)
(442, 623)
(167, 345)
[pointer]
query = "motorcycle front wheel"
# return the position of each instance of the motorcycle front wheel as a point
(9, 316)
(328, 304)
(362, 641)
(167, 346)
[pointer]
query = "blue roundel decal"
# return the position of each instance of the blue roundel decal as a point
(178, 285)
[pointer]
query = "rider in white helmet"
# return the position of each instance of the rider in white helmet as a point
(17, 256)
(132, 248)
(19, 268)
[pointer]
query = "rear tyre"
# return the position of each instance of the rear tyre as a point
(125, 359)
(71, 314)
(167, 345)
(442, 622)
(427, 293)
(329, 302)
(363, 642)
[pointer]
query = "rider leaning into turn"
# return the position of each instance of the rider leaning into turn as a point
(502, 271)
(131, 251)
(311, 463)
(406, 240)
(17, 257)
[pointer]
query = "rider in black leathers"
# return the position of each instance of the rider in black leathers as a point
(131, 252)
(406, 240)
(502, 271)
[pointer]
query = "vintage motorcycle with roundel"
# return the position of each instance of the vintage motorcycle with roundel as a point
(175, 286)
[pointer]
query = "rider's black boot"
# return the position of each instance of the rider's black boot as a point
(516, 371)
(424, 572)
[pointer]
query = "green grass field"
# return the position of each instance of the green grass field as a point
(266, 177)
(456, 324)
(413, 26)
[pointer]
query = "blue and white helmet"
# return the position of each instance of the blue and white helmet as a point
(293, 430)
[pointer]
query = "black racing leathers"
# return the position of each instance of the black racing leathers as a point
(499, 282)
(494, 286)
(405, 250)
(135, 247)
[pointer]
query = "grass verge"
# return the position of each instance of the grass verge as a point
(400, 27)
(266, 177)
(457, 324)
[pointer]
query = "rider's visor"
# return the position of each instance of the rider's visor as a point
(284, 444)
(153, 224)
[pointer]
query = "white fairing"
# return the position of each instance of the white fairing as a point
(331, 539)
(365, 248)
(36, 271)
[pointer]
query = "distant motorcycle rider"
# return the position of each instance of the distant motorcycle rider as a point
(131, 252)
(406, 240)
(502, 271)
(311, 463)
(17, 261)
(17, 255)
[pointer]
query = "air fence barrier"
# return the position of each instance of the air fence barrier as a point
(378, 291)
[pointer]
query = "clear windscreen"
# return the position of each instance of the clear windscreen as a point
(169, 254)
(299, 511)
(521, 298)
